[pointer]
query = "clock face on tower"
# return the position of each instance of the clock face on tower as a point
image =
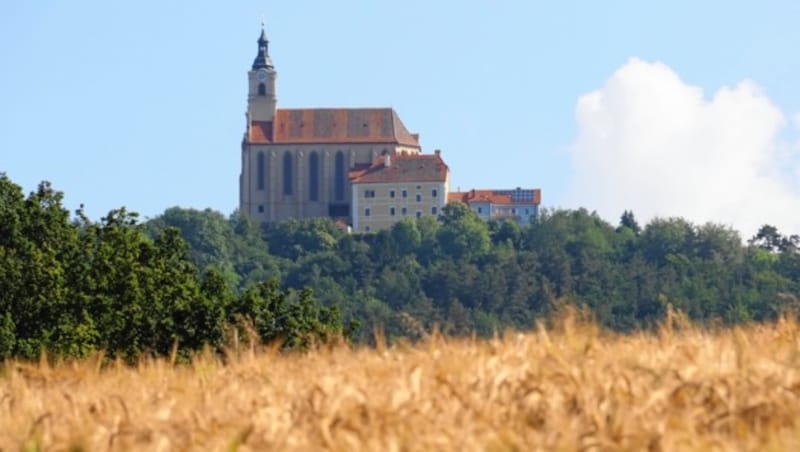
(261, 75)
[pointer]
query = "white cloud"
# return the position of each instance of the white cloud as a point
(651, 143)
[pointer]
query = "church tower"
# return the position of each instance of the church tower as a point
(261, 99)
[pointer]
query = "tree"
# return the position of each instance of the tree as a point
(627, 220)
(463, 235)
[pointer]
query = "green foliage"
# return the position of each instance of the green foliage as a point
(70, 287)
(295, 319)
(187, 277)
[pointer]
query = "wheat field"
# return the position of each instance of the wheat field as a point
(568, 388)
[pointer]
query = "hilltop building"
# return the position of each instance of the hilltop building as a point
(519, 204)
(397, 186)
(297, 163)
(358, 166)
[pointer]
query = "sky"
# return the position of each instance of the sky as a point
(683, 108)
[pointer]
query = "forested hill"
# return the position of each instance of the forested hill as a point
(71, 285)
(466, 275)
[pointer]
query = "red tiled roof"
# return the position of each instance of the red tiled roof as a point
(333, 125)
(403, 168)
(493, 196)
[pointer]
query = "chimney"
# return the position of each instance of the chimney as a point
(438, 152)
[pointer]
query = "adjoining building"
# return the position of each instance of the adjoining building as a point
(520, 204)
(396, 186)
(295, 162)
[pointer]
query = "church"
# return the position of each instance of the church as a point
(332, 162)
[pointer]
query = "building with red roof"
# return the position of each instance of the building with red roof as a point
(396, 186)
(296, 161)
(520, 204)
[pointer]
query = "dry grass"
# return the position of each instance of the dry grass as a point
(572, 388)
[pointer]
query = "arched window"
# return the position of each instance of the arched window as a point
(287, 173)
(260, 170)
(262, 89)
(338, 180)
(313, 177)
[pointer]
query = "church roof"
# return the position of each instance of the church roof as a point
(333, 125)
(402, 168)
(516, 196)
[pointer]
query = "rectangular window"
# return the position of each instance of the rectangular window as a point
(419, 197)
(434, 192)
(419, 214)
(391, 193)
(480, 209)
(404, 211)
(366, 212)
(261, 208)
(369, 193)
(260, 170)
(405, 194)
(391, 211)
(433, 210)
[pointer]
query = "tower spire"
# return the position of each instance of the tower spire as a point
(262, 57)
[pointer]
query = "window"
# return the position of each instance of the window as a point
(391, 193)
(313, 177)
(433, 210)
(367, 212)
(366, 228)
(260, 208)
(391, 211)
(369, 193)
(513, 210)
(419, 214)
(434, 193)
(260, 170)
(405, 194)
(480, 209)
(262, 89)
(404, 211)
(287, 173)
(338, 182)
(419, 197)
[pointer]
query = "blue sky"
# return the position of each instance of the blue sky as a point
(142, 104)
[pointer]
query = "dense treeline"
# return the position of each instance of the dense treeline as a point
(465, 275)
(72, 286)
(69, 287)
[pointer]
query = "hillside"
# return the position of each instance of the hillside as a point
(563, 389)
